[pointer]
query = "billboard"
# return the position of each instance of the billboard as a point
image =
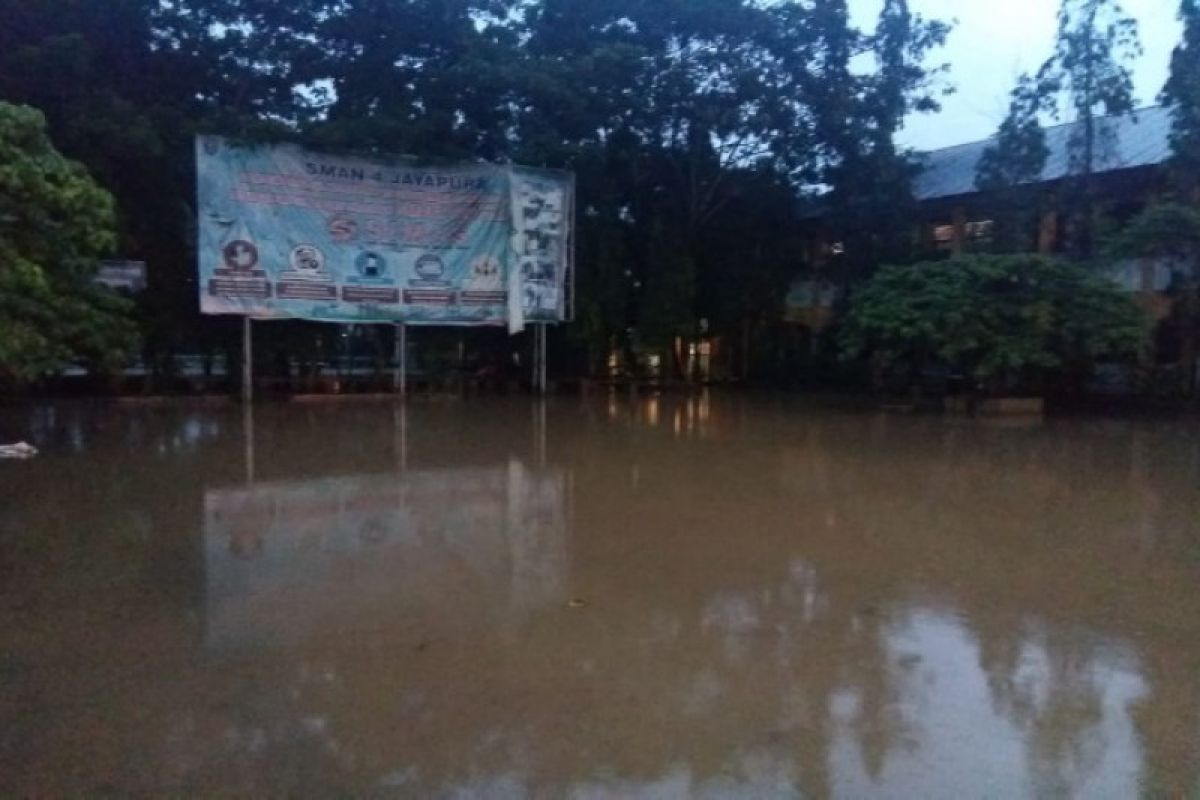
(287, 233)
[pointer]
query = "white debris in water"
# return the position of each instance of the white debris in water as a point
(18, 450)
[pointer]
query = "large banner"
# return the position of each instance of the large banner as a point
(285, 233)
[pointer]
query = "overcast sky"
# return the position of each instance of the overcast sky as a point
(995, 40)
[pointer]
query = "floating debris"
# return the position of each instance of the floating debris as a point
(18, 450)
(577, 603)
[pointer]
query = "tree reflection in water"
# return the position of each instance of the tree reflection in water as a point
(786, 600)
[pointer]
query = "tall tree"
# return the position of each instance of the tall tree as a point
(1182, 94)
(124, 84)
(1094, 48)
(1172, 231)
(1014, 158)
(858, 115)
(664, 111)
(55, 221)
(431, 79)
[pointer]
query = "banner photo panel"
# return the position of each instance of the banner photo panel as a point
(286, 233)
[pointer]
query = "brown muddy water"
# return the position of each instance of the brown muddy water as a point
(671, 597)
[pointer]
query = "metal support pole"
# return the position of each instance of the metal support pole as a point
(248, 440)
(542, 425)
(400, 423)
(400, 356)
(247, 362)
(542, 359)
(539, 353)
(539, 431)
(533, 361)
(403, 359)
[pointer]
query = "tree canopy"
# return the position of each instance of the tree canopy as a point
(1182, 94)
(1164, 230)
(55, 221)
(693, 127)
(1169, 233)
(1090, 72)
(1015, 158)
(992, 315)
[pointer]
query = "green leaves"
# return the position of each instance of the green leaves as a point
(54, 223)
(1018, 154)
(1164, 230)
(1091, 64)
(1182, 93)
(991, 316)
(691, 124)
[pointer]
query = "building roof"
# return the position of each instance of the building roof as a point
(1142, 139)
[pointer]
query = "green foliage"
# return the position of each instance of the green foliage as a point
(855, 118)
(55, 221)
(1095, 46)
(992, 316)
(1093, 53)
(1182, 94)
(1165, 230)
(1019, 152)
(1016, 157)
(691, 126)
(1171, 232)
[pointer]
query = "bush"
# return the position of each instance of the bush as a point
(992, 316)
(55, 222)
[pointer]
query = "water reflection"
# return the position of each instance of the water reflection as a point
(780, 600)
(292, 560)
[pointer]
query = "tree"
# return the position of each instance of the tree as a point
(855, 118)
(675, 121)
(55, 221)
(1015, 157)
(1182, 94)
(994, 316)
(124, 85)
(1095, 45)
(1170, 233)
(431, 79)
(691, 126)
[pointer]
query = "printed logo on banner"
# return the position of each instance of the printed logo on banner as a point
(429, 268)
(372, 281)
(343, 230)
(240, 255)
(308, 260)
(429, 288)
(371, 267)
(308, 278)
(486, 285)
(238, 277)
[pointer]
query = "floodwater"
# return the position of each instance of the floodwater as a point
(664, 597)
